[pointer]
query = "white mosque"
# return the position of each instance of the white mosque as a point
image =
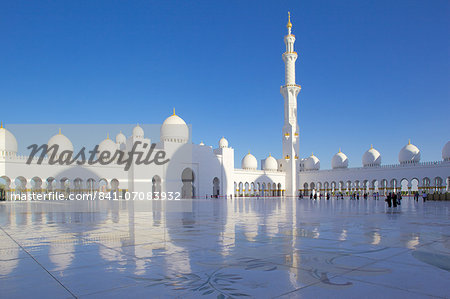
(202, 171)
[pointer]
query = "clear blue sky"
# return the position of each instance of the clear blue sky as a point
(371, 71)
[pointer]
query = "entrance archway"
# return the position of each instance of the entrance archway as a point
(188, 189)
(216, 187)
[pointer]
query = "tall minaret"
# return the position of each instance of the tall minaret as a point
(290, 129)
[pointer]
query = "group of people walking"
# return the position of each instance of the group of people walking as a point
(394, 199)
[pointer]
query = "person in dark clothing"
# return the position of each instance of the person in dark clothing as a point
(328, 195)
(310, 196)
(394, 200)
(389, 200)
(315, 196)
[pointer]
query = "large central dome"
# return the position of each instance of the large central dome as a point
(174, 129)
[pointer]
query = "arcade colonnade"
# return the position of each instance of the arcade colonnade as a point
(383, 186)
(270, 189)
(21, 185)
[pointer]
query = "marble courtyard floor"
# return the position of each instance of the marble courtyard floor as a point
(220, 248)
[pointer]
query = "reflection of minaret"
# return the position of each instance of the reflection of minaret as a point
(290, 129)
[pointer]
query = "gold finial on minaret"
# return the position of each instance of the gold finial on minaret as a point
(173, 111)
(409, 141)
(289, 24)
(1, 125)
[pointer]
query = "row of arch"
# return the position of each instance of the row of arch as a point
(382, 186)
(51, 184)
(258, 189)
(78, 185)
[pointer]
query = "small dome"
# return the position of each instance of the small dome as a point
(8, 142)
(270, 164)
(138, 132)
(107, 145)
(64, 143)
(339, 160)
(371, 158)
(409, 154)
(121, 138)
(249, 162)
(201, 143)
(446, 152)
(223, 142)
(312, 163)
(174, 129)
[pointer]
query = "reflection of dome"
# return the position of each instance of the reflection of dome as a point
(174, 129)
(10, 260)
(371, 158)
(249, 162)
(62, 141)
(312, 163)
(121, 138)
(339, 160)
(223, 142)
(409, 154)
(107, 145)
(8, 142)
(270, 163)
(138, 132)
(61, 254)
(446, 152)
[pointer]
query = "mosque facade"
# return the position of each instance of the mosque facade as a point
(197, 170)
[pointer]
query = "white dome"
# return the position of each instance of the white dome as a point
(201, 143)
(138, 132)
(174, 129)
(223, 142)
(312, 163)
(339, 160)
(270, 164)
(371, 158)
(107, 145)
(121, 138)
(64, 143)
(8, 142)
(409, 154)
(446, 152)
(249, 162)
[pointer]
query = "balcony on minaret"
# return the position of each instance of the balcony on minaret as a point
(286, 135)
(287, 157)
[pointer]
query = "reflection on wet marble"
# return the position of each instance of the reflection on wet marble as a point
(226, 248)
